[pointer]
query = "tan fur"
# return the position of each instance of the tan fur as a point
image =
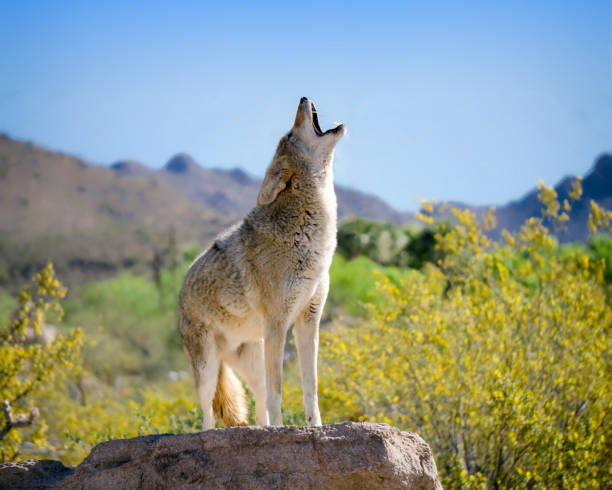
(229, 403)
(268, 272)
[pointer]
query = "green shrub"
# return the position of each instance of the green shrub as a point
(386, 244)
(601, 247)
(133, 322)
(352, 282)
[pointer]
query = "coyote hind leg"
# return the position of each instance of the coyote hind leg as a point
(204, 359)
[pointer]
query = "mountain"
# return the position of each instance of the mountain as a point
(228, 192)
(88, 219)
(596, 186)
(96, 220)
(234, 192)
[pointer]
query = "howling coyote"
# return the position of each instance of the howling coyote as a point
(268, 272)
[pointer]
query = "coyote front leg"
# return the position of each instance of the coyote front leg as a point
(306, 333)
(274, 346)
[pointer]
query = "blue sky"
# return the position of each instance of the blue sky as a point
(470, 101)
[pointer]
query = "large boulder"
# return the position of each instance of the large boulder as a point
(348, 455)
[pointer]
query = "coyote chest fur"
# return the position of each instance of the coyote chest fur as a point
(258, 278)
(271, 262)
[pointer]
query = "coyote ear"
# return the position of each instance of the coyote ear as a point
(274, 182)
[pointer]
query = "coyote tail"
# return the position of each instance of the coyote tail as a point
(229, 403)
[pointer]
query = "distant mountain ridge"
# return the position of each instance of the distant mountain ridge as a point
(233, 192)
(596, 186)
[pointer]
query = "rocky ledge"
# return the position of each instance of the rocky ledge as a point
(348, 455)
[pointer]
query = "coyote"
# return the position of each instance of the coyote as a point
(241, 295)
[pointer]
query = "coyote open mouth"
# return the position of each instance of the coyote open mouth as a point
(315, 123)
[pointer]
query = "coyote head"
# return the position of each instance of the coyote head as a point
(303, 155)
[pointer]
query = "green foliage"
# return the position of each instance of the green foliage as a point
(7, 303)
(29, 367)
(385, 244)
(506, 377)
(352, 283)
(132, 321)
(600, 246)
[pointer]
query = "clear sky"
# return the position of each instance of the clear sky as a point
(471, 101)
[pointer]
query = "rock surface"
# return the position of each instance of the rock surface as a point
(348, 455)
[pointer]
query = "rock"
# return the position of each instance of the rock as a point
(33, 473)
(348, 455)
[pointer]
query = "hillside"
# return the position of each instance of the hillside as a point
(596, 185)
(88, 219)
(233, 192)
(96, 220)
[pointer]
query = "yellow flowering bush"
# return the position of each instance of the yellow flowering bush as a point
(167, 407)
(54, 406)
(499, 356)
(29, 366)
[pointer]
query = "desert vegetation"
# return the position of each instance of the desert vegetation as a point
(496, 352)
(499, 354)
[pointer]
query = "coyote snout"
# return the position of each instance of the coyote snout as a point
(271, 271)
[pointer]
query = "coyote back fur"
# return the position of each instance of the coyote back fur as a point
(270, 271)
